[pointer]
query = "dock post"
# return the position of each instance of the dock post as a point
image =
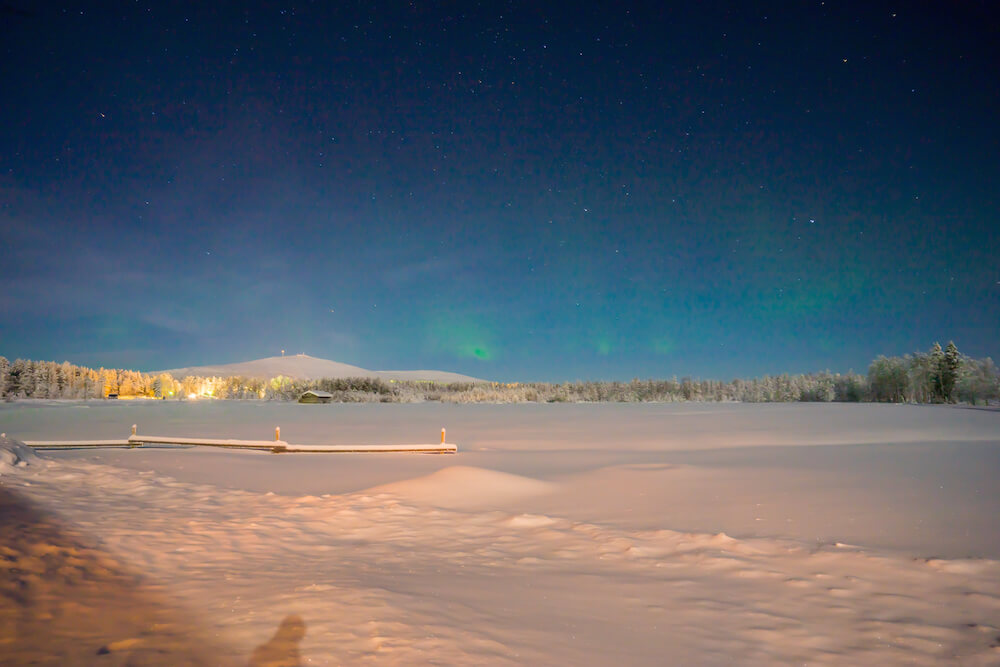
(442, 436)
(277, 433)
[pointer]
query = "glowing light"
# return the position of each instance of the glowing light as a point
(479, 352)
(461, 336)
(664, 345)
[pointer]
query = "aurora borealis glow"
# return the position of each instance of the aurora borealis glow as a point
(518, 191)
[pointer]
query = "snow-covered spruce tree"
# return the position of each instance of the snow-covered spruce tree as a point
(16, 377)
(949, 372)
(936, 366)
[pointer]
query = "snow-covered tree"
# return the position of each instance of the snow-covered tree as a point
(17, 376)
(936, 366)
(4, 369)
(949, 372)
(978, 380)
(888, 380)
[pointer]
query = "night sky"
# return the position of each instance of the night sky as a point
(516, 191)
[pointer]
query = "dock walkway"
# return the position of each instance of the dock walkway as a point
(276, 446)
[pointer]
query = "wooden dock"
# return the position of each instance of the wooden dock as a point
(76, 444)
(276, 446)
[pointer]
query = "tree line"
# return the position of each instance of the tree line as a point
(938, 376)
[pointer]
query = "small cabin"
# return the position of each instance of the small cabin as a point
(315, 396)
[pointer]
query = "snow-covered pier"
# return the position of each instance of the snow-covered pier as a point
(276, 446)
(74, 444)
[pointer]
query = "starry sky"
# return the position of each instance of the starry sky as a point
(512, 190)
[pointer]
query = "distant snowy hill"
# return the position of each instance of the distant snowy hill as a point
(304, 367)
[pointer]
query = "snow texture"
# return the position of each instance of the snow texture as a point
(14, 453)
(548, 541)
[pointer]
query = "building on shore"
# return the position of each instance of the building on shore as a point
(315, 396)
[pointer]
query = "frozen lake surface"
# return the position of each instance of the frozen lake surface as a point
(924, 479)
(576, 533)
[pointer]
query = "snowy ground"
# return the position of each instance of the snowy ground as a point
(560, 534)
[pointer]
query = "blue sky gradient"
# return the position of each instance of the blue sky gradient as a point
(506, 190)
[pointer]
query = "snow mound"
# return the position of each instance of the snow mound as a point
(465, 487)
(14, 453)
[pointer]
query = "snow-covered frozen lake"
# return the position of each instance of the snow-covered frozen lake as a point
(925, 479)
(580, 533)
